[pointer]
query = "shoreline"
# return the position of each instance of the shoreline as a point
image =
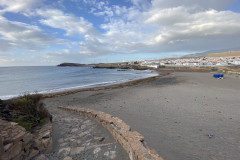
(111, 86)
(161, 72)
(83, 87)
(175, 112)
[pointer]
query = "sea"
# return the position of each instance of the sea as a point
(17, 81)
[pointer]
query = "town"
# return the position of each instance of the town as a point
(194, 61)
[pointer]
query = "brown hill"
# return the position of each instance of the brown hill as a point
(224, 54)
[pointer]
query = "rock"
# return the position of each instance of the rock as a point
(106, 153)
(112, 154)
(38, 144)
(100, 139)
(46, 135)
(77, 150)
(46, 142)
(153, 151)
(64, 151)
(14, 151)
(33, 153)
(83, 126)
(27, 147)
(13, 123)
(19, 137)
(96, 150)
(74, 130)
(83, 134)
(67, 158)
(41, 157)
(18, 157)
(63, 144)
(27, 138)
(7, 147)
(87, 122)
(72, 140)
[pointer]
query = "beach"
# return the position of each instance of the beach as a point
(182, 115)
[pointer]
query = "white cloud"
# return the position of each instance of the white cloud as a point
(155, 26)
(23, 36)
(141, 4)
(18, 5)
(167, 27)
(203, 4)
(71, 24)
(178, 24)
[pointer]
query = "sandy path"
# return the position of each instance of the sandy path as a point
(175, 114)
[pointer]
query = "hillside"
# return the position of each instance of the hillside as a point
(224, 54)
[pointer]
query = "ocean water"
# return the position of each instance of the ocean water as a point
(15, 81)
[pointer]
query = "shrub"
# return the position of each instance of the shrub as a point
(136, 62)
(30, 111)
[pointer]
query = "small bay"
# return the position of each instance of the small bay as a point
(15, 81)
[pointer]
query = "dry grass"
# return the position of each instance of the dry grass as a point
(224, 54)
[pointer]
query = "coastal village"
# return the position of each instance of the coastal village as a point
(194, 61)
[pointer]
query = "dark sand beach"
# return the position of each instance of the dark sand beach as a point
(183, 115)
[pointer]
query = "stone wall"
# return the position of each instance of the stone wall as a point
(17, 144)
(131, 141)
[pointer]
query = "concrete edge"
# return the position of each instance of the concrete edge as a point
(131, 141)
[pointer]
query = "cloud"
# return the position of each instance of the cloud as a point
(141, 4)
(203, 4)
(173, 29)
(156, 26)
(18, 5)
(71, 24)
(180, 24)
(23, 36)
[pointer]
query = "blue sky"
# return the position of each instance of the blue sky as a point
(49, 32)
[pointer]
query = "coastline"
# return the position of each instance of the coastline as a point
(97, 88)
(174, 112)
(161, 73)
(79, 80)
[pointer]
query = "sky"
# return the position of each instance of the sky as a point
(49, 32)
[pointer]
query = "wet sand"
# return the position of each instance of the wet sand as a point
(175, 113)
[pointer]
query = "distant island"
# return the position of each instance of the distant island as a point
(71, 64)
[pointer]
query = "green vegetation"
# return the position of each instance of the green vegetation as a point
(29, 110)
(25, 124)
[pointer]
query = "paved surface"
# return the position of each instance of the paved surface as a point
(78, 137)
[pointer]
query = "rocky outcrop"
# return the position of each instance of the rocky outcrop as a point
(131, 141)
(17, 144)
(71, 64)
(121, 66)
(107, 66)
